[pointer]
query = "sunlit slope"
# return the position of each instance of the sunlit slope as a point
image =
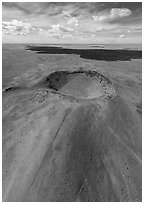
(56, 148)
(95, 157)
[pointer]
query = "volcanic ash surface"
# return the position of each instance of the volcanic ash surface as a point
(70, 137)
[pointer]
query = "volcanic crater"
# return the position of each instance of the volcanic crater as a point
(80, 84)
(63, 150)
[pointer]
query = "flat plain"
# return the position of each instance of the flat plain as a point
(72, 126)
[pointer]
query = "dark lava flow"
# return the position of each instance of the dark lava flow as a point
(97, 54)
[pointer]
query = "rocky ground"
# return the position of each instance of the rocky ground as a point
(71, 128)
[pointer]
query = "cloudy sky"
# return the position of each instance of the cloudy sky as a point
(73, 22)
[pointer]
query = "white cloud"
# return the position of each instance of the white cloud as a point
(34, 29)
(67, 29)
(16, 27)
(114, 13)
(119, 12)
(46, 33)
(66, 14)
(67, 36)
(101, 28)
(56, 31)
(99, 18)
(122, 36)
(73, 21)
